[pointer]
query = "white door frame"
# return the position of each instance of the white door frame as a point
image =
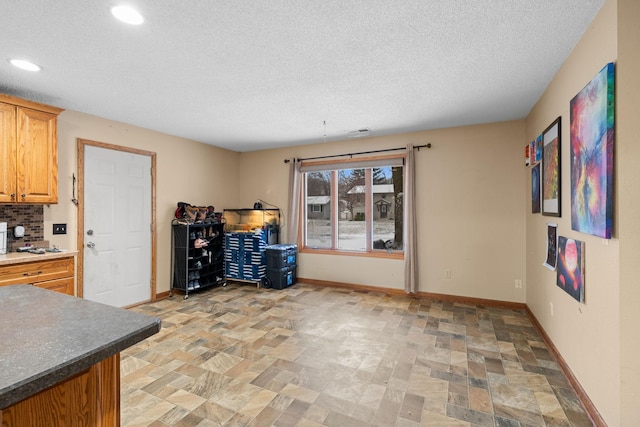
(82, 143)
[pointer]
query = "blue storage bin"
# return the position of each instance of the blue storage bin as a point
(280, 278)
(282, 255)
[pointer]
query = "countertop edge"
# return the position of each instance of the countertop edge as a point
(31, 386)
(24, 257)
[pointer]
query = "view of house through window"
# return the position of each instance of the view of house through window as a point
(357, 209)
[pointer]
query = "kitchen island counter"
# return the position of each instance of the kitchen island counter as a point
(49, 338)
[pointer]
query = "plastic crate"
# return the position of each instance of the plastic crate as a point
(237, 271)
(233, 255)
(253, 272)
(232, 269)
(245, 255)
(254, 258)
(279, 256)
(280, 278)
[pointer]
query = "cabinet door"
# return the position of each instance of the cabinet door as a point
(7, 153)
(37, 271)
(64, 286)
(37, 154)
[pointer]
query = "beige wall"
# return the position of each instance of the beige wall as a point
(469, 207)
(585, 334)
(186, 171)
(628, 177)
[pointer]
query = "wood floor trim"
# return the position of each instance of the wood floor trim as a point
(429, 295)
(589, 407)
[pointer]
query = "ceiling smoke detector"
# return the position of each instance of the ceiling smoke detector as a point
(358, 133)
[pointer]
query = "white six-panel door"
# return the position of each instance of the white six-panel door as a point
(117, 227)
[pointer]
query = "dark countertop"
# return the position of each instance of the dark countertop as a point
(47, 337)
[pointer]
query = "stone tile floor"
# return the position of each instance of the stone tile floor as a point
(316, 356)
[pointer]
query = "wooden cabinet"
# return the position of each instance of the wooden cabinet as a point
(91, 398)
(56, 274)
(28, 151)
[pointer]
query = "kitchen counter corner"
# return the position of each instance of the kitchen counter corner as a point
(48, 337)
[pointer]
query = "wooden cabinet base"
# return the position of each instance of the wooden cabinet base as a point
(91, 398)
(55, 274)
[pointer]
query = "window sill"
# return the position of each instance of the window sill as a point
(376, 254)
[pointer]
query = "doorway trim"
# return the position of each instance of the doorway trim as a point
(81, 144)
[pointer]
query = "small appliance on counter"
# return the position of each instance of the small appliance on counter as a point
(3, 238)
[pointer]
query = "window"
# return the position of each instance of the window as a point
(354, 206)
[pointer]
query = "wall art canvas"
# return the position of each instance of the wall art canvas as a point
(527, 155)
(551, 169)
(535, 189)
(570, 271)
(592, 137)
(538, 145)
(552, 246)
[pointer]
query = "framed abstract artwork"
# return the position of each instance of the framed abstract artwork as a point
(592, 138)
(535, 189)
(551, 201)
(570, 270)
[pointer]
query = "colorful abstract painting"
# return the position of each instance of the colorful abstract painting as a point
(551, 202)
(535, 189)
(570, 268)
(538, 144)
(592, 137)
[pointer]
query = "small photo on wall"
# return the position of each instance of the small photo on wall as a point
(570, 277)
(535, 189)
(552, 246)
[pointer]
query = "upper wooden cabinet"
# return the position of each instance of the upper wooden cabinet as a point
(28, 151)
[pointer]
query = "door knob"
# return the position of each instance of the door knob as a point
(91, 245)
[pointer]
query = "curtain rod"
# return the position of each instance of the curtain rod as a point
(428, 145)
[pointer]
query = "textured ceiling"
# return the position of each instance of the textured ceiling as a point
(249, 75)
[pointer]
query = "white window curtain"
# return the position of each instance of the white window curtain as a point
(295, 188)
(410, 243)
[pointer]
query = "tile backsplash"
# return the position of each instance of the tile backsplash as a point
(31, 217)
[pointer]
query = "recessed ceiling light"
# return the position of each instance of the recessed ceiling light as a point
(23, 64)
(127, 14)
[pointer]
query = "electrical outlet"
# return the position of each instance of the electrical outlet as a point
(447, 274)
(518, 284)
(551, 308)
(59, 228)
